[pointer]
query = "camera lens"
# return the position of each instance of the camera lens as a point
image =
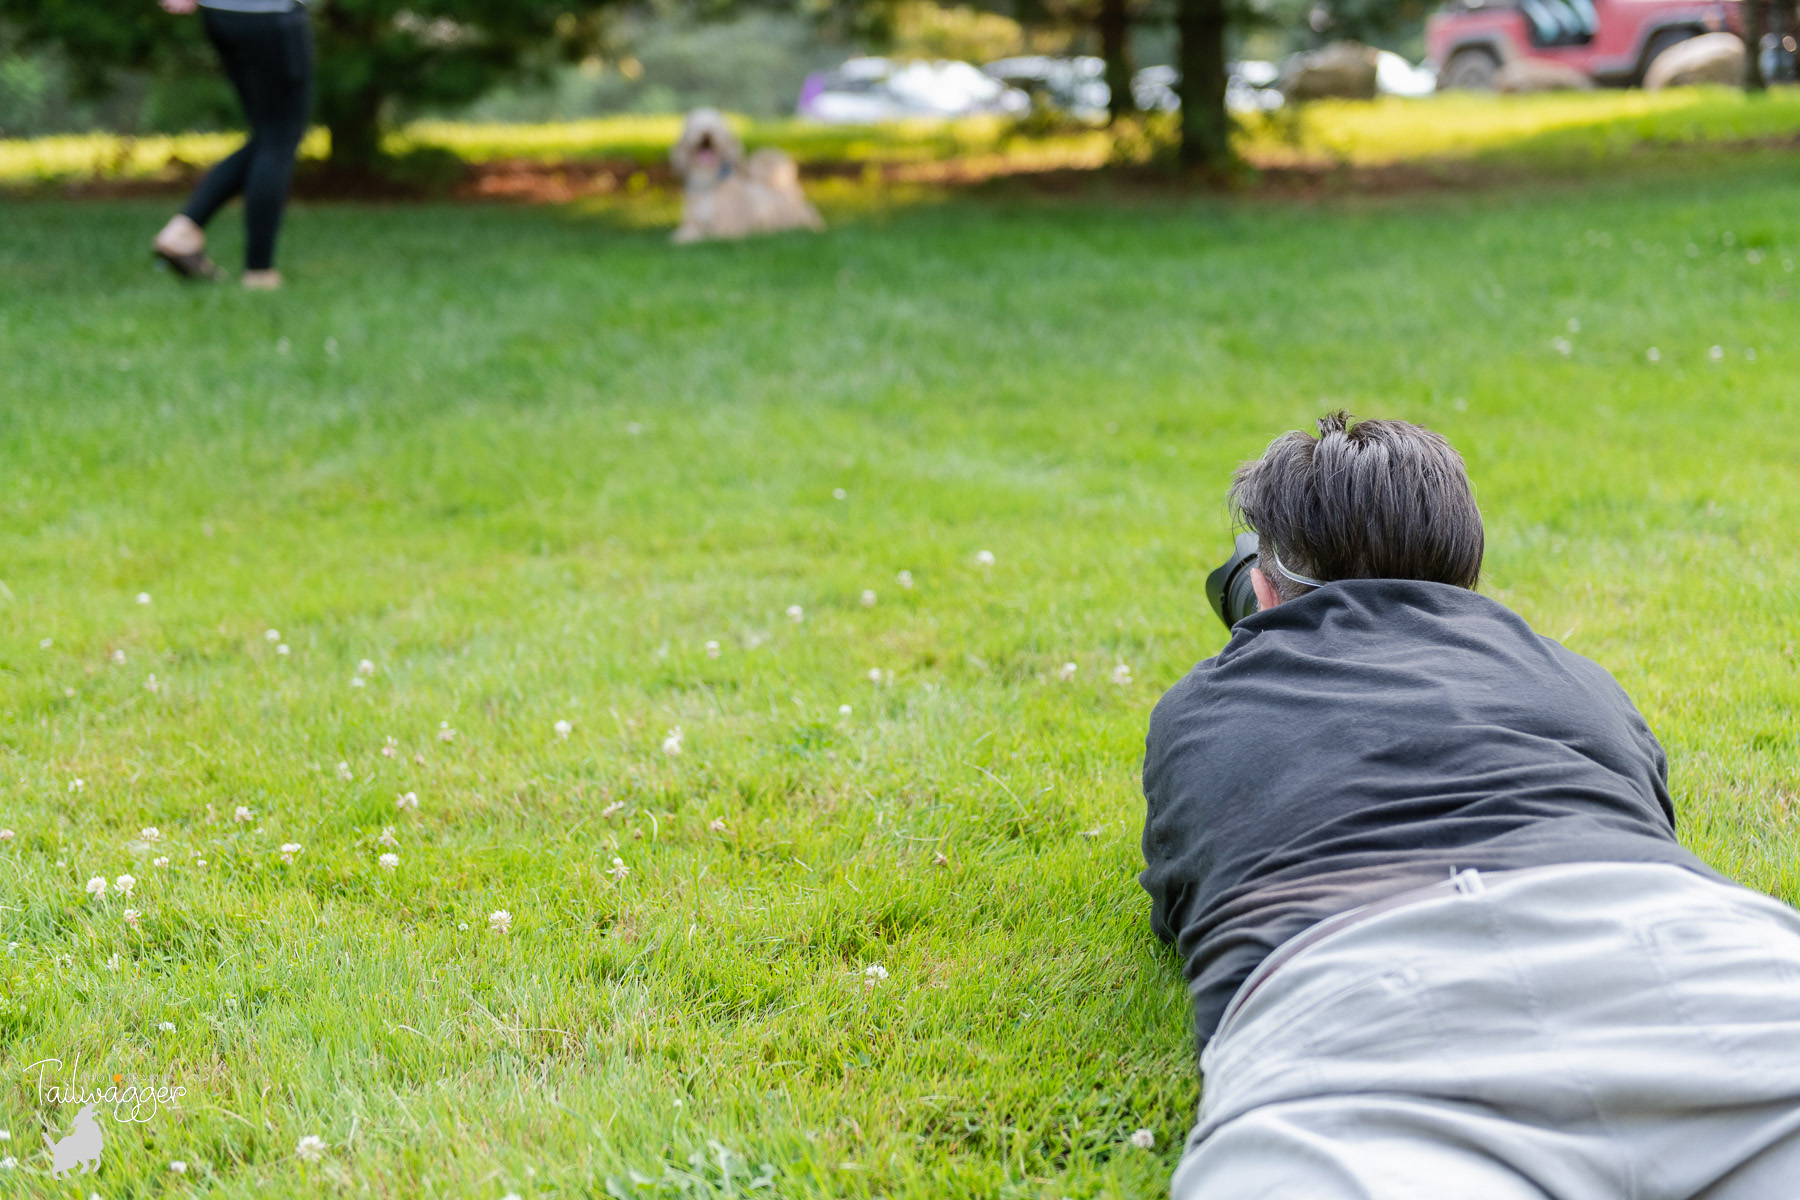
(1241, 601)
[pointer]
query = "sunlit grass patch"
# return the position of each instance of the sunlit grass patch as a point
(1562, 127)
(1462, 125)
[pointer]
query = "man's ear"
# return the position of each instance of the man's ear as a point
(1266, 595)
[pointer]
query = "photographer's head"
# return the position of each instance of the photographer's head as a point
(1363, 500)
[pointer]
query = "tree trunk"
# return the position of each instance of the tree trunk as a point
(1756, 23)
(1115, 47)
(355, 126)
(1205, 126)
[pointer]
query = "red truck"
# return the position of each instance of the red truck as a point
(1610, 41)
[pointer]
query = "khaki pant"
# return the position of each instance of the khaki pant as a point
(1588, 1032)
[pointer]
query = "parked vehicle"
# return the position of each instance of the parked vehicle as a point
(1610, 41)
(1073, 85)
(866, 90)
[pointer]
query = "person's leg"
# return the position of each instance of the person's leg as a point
(182, 241)
(1355, 1148)
(226, 178)
(1699, 1070)
(282, 101)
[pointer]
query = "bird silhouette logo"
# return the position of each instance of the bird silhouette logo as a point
(80, 1149)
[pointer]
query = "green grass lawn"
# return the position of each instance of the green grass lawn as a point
(532, 466)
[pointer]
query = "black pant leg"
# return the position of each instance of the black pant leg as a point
(268, 58)
(283, 103)
(227, 176)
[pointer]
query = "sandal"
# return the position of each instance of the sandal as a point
(191, 266)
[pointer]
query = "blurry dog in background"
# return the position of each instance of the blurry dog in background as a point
(729, 196)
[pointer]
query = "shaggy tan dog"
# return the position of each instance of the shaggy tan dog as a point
(728, 196)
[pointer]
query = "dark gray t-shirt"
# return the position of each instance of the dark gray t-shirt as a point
(1368, 738)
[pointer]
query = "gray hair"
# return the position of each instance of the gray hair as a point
(1363, 500)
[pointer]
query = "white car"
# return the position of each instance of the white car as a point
(1075, 85)
(866, 90)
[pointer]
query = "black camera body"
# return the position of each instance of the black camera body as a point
(1228, 588)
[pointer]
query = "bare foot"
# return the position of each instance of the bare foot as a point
(180, 238)
(260, 281)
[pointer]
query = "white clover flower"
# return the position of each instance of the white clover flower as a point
(150, 684)
(6, 1134)
(241, 814)
(288, 850)
(1716, 353)
(1653, 354)
(167, 1027)
(1066, 672)
(500, 921)
(273, 635)
(143, 597)
(6, 835)
(1143, 1139)
(1121, 674)
(118, 656)
(365, 667)
(563, 728)
(387, 837)
(388, 861)
(874, 674)
(904, 579)
(712, 649)
(796, 614)
(618, 870)
(112, 964)
(462, 925)
(130, 917)
(150, 833)
(984, 558)
(9, 1163)
(179, 1167)
(1562, 346)
(46, 643)
(389, 747)
(844, 710)
(77, 785)
(160, 860)
(123, 885)
(672, 743)
(311, 1147)
(868, 598)
(358, 681)
(407, 801)
(282, 649)
(875, 972)
(200, 862)
(96, 887)
(445, 733)
(717, 824)
(839, 494)
(1574, 324)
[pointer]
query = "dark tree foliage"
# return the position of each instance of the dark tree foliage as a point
(373, 55)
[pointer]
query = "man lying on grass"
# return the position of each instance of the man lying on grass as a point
(1421, 863)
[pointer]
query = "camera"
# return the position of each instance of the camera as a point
(1228, 588)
